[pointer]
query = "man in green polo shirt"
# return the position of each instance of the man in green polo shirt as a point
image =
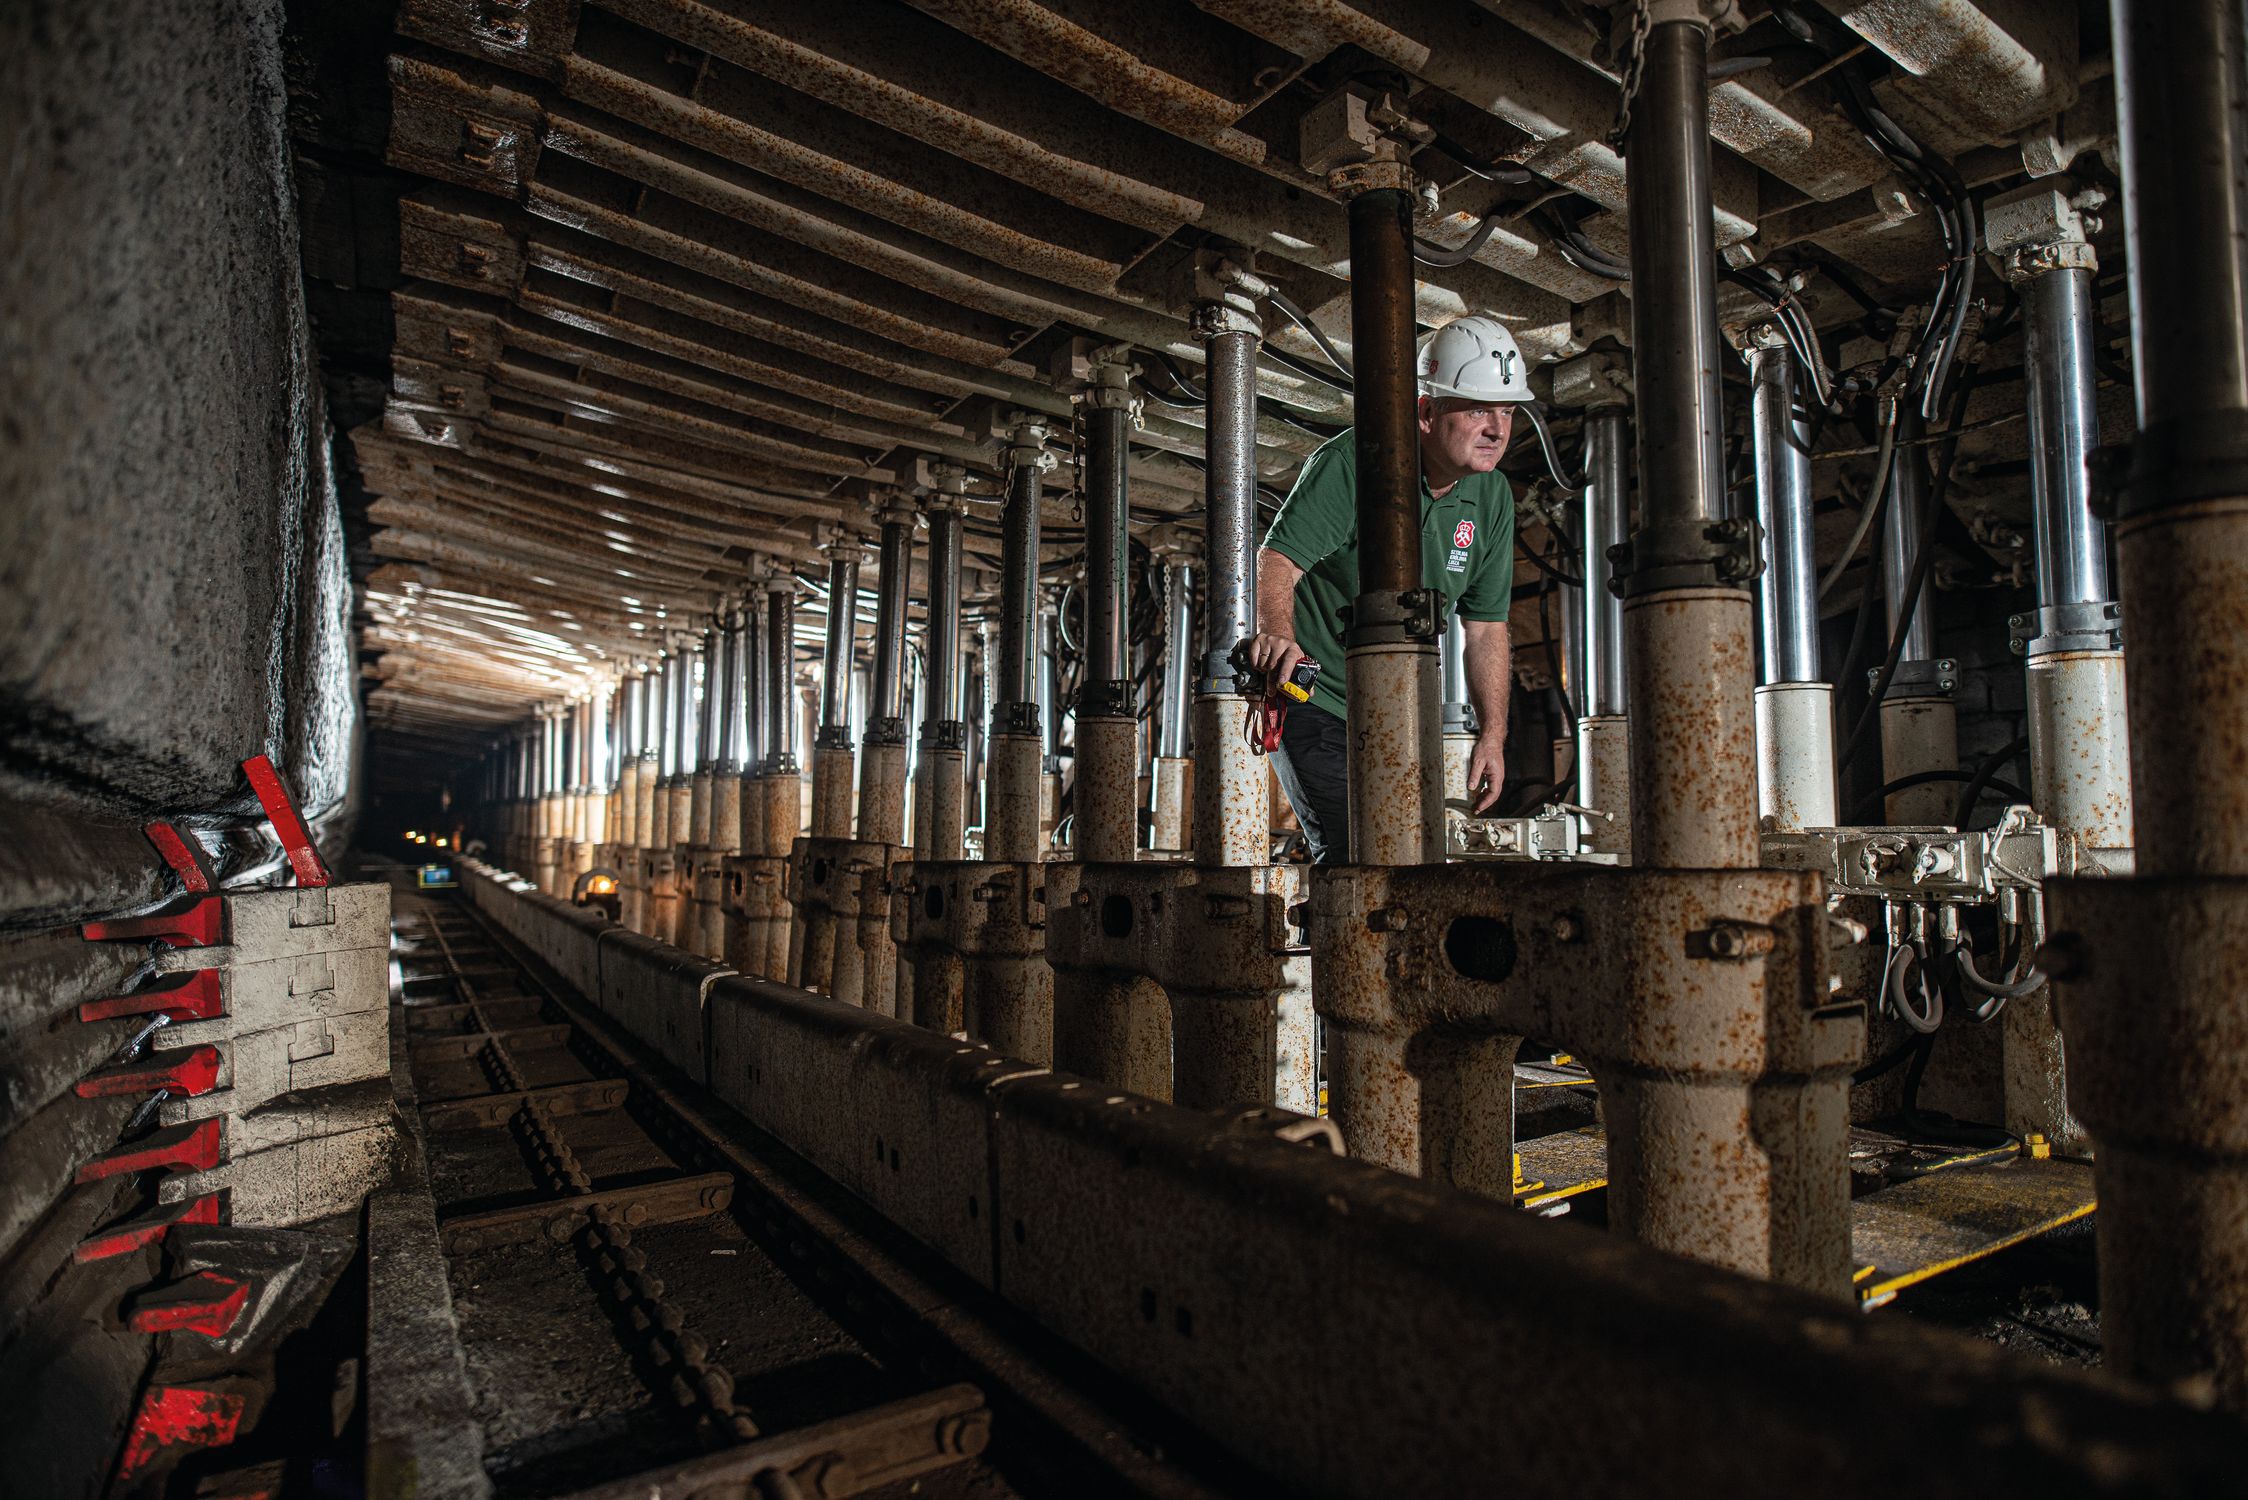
(1472, 376)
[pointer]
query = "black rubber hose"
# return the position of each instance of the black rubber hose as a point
(1984, 771)
(1872, 803)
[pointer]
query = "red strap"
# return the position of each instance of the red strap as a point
(281, 812)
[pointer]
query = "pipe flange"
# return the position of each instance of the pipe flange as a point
(2097, 626)
(1015, 718)
(783, 764)
(885, 731)
(2033, 261)
(1687, 555)
(832, 737)
(1937, 678)
(1385, 619)
(1211, 320)
(1106, 700)
(1460, 720)
(944, 734)
(1361, 177)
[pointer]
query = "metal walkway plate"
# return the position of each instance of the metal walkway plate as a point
(1940, 1221)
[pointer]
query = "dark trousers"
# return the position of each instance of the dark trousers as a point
(1311, 762)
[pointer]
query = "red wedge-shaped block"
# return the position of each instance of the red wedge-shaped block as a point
(193, 1147)
(205, 1303)
(186, 1072)
(192, 996)
(201, 924)
(127, 1235)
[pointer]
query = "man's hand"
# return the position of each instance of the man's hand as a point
(1274, 655)
(1486, 773)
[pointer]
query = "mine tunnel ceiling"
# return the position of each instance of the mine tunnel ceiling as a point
(681, 284)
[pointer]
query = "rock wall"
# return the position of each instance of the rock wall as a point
(173, 586)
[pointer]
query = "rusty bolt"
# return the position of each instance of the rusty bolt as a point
(1081, 898)
(1565, 928)
(1386, 919)
(1737, 940)
(964, 1433)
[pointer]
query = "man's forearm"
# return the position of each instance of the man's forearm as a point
(1276, 594)
(1489, 660)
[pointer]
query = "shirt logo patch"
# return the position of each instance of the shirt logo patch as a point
(1463, 535)
(1457, 562)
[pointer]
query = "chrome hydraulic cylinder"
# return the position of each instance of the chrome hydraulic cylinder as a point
(1603, 730)
(1794, 702)
(940, 806)
(1107, 811)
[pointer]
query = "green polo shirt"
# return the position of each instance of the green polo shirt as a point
(1467, 553)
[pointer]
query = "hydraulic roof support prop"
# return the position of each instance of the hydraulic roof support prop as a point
(1106, 821)
(974, 931)
(882, 770)
(1794, 702)
(708, 699)
(1919, 721)
(1167, 772)
(759, 919)
(815, 946)
(940, 809)
(2146, 971)
(1600, 383)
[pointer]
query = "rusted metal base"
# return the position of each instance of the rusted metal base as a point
(973, 934)
(1183, 984)
(827, 886)
(753, 906)
(2146, 975)
(1697, 999)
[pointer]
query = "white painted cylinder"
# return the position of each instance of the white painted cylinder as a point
(2080, 746)
(1795, 756)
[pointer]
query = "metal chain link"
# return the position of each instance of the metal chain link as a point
(1635, 62)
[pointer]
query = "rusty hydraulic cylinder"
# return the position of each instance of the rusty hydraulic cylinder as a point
(1109, 1026)
(1232, 787)
(685, 669)
(709, 711)
(1107, 760)
(2147, 971)
(1012, 830)
(1794, 703)
(940, 811)
(882, 770)
(1167, 771)
(819, 958)
(780, 789)
(627, 826)
(1700, 1162)
(1395, 757)
(1603, 729)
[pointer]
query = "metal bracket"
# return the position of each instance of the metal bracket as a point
(2097, 626)
(1105, 700)
(1015, 718)
(832, 737)
(1935, 678)
(1687, 554)
(1383, 618)
(887, 731)
(944, 734)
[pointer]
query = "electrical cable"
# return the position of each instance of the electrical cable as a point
(2000, 990)
(1561, 482)
(1876, 503)
(1297, 316)
(1429, 253)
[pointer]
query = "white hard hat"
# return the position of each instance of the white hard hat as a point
(1473, 359)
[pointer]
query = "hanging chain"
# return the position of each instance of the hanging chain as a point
(1635, 62)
